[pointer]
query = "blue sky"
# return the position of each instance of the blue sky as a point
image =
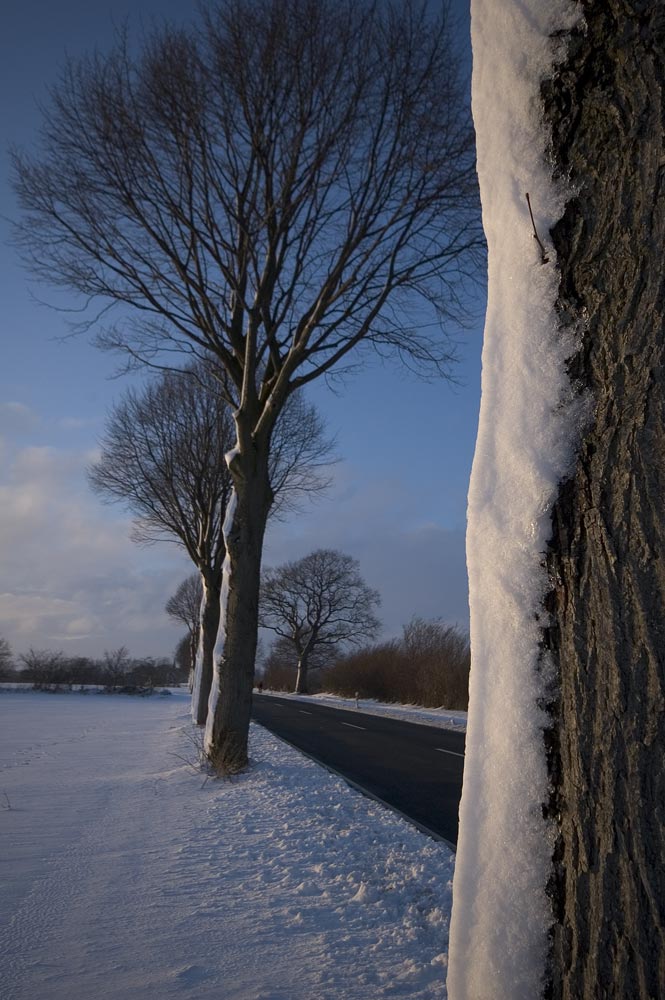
(71, 579)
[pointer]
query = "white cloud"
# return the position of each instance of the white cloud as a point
(74, 580)
(71, 575)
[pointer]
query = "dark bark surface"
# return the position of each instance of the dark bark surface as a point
(605, 106)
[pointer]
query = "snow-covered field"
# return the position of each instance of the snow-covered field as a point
(442, 718)
(126, 874)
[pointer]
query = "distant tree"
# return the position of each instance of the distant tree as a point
(182, 656)
(44, 668)
(284, 184)
(279, 668)
(6, 661)
(185, 607)
(145, 673)
(83, 670)
(163, 455)
(115, 665)
(317, 603)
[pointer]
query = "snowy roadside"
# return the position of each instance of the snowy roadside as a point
(128, 874)
(442, 718)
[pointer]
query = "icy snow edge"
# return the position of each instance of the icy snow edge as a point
(529, 426)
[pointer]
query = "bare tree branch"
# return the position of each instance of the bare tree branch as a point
(164, 457)
(318, 602)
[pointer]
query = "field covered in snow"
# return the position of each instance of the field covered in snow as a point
(127, 874)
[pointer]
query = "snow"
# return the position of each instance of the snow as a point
(127, 873)
(198, 665)
(529, 425)
(442, 718)
(220, 641)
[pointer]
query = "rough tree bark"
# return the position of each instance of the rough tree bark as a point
(605, 106)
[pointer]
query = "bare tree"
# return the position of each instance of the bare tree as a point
(185, 606)
(44, 667)
(317, 603)
(6, 661)
(279, 669)
(163, 456)
(290, 181)
(116, 664)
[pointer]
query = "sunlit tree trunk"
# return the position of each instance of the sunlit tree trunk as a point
(301, 678)
(605, 105)
(231, 703)
(210, 613)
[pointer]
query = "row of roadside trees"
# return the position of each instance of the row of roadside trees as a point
(323, 614)
(292, 181)
(263, 195)
(163, 456)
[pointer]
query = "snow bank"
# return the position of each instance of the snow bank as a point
(126, 875)
(529, 423)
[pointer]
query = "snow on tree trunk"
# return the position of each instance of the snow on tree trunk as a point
(529, 424)
(605, 106)
(301, 678)
(210, 614)
(230, 701)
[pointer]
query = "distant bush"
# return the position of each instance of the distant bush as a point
(428, 666)
(52, 671)
(6, 662)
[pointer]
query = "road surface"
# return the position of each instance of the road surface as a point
(415, 769)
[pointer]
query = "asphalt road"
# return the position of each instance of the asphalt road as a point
(416, 769)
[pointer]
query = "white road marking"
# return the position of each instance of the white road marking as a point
(303, 712)
(451, 752)
(351, 726)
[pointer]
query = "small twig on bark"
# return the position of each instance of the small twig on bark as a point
(9, 805)
(543, 253)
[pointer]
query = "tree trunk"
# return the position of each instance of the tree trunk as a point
(301, 678)
(210, 614)
(607, 556)
(228, 729)
(193, 649)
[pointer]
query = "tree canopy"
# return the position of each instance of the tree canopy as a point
(317, 603)
(275, 188)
